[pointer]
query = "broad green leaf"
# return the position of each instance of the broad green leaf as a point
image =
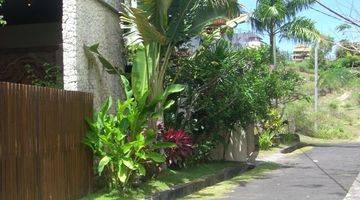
(174, 88)
(141, 154)
(105, 107)
(124, 124)
(105, 63)
(150, 136)
(127, 87)
(93, 48)
(127, 147)
(139, 74)
(140, 137)
(129, 163)
(122, 173)
(159, 145)
(103, 162)
(119, 135)
(141, 169)
(148, 31)
(158, 10)
(157, 157)
(169, 104)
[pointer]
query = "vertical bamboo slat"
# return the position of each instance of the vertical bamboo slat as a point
(41, 151)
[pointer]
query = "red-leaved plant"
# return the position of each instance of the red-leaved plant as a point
(184, 147)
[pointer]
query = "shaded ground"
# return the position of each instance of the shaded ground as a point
(325, 172)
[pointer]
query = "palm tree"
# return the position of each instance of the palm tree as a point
(278, 17)
(157, 27)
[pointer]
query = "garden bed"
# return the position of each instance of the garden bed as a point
(165, 181)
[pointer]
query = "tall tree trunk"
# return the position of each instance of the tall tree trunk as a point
(273, 48)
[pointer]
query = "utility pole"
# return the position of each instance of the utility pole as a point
(316, 97)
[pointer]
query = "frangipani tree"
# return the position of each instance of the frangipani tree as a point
(156, 27)
(278, 18)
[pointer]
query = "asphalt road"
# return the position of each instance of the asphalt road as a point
(324, 173)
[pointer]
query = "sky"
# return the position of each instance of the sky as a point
(325, 24)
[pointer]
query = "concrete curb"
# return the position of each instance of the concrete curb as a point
(182, 190)
(354, 192)
(293, 147)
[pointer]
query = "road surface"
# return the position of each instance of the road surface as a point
(326, 172)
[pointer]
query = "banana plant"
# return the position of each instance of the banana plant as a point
(124, 142)
(157, 27)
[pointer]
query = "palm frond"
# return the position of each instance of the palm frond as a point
(343, 27)
(300, 29)
(268, 14)
(295, 6)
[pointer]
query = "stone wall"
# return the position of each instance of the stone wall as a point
(87, 22)
(241, 145)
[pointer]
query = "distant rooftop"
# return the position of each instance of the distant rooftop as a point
(245, 38)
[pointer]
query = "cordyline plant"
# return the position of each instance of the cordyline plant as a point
(177, 154)
(157, 27)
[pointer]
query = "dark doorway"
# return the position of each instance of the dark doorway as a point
(30, 42)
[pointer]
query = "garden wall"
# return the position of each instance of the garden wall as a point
(41, 151)
(88, 22)
(241, 144)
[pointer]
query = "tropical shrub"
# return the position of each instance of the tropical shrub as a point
(203, 150)
(335, 78)
(125, 142)
(220, 90)
(334, 105)
(299, 116)
(158, 27)
(357, 97)
(332, 132)
(266, 140)
(274, 123)
(176, 156)
(51, 78)
(349, 61)
(225, 88)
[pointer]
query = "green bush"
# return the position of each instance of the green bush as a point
(266, 140)
(357, 97)
(225, 88)
(123, 142)
(349, 61)
(329, 132)
(334, 105)
(298, 113)
(335, 78)
(289, 138)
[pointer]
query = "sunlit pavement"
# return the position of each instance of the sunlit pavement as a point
(326, 172)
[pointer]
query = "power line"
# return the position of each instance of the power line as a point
(337, 14)
(327, 14)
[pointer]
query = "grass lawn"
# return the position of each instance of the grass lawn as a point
(219, 190)
(164, 181)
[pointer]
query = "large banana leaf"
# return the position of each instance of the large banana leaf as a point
(142, 67)
(146, 30)
(157, 12)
